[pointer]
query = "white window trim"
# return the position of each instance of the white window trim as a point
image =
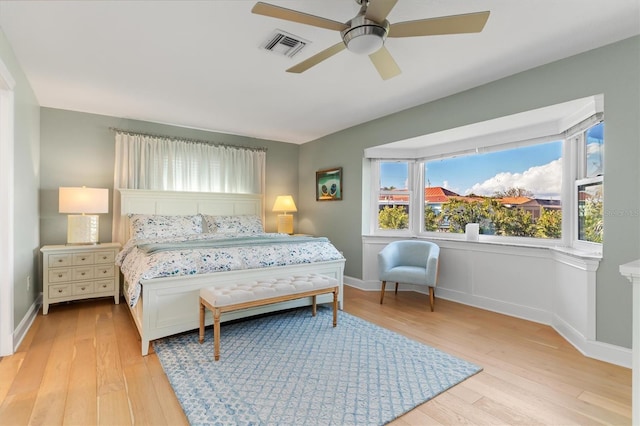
(576, 243)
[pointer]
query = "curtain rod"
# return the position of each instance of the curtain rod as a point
(131, 132)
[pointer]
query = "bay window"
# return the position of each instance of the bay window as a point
(546, 189)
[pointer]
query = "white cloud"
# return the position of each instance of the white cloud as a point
(543, 181)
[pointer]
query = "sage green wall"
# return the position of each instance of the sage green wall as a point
(612, 70)
(79, 149)
(26, 152)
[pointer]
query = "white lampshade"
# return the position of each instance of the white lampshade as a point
(83, 200)
(285, 204)
(83, 228)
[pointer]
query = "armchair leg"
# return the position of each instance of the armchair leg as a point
(396, 288)
(384, 283)
(432, 298)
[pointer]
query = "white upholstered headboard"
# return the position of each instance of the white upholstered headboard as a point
(142, 201)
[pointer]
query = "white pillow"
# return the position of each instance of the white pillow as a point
(146, 226)
(241, 224)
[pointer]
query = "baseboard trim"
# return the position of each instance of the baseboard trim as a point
(25, 324)
(601, 351)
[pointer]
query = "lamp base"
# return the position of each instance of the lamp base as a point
(82, 229)
(285, 224)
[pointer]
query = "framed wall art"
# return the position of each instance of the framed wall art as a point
(329, 184)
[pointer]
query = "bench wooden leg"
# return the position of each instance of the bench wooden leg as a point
(313, 306)
(335, 307)
(201, 337)
(216, 334)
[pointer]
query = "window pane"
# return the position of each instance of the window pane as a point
(590, 212)
(513, 192)
(594, 139)
(393, 201)
(394, 175)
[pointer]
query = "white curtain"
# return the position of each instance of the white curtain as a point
(165, 164)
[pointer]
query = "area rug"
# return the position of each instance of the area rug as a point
(294, 369)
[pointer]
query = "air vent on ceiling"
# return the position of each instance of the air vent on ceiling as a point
(283, 43)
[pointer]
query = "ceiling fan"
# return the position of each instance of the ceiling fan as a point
(367, 31)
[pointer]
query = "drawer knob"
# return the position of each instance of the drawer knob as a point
(59, 275)
(59, 260)
(104, 257)
(104, 286)
(83, 258)
(59, 290)
(82, 273)
(82, 288)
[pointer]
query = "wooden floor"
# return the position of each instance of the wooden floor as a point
(81, 364)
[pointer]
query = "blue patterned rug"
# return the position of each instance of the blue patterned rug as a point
(292, 369)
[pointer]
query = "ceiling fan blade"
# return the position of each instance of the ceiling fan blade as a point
(317, 58)
(378, 10)
(272, 11)
(454, 24)
(384, 63)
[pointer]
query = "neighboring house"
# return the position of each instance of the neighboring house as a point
(436, 196)
(536, 206)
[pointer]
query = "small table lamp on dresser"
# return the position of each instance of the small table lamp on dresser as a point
(83, 268)
(83, 228)
(285, 204)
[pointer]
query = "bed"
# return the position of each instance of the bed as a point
(166, 303)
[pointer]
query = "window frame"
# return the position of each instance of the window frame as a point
(516, 240)
(376, 175)
(580, 140)
(573, 168)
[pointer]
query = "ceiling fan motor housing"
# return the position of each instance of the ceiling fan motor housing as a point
(365, 36)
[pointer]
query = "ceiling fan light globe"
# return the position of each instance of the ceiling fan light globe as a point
(365, 39)
(365, 44)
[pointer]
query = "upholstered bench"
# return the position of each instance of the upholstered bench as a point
(263, 292)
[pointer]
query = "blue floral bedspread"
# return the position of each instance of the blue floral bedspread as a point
(207, 253)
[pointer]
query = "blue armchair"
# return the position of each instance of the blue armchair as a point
(411, 262)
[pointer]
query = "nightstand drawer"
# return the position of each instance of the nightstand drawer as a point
(56, 260)
(104, 286)
(104, 271)
(58, 291)
(105, 257)
(82, 288)
(83, 259)
(59, 275)
(85, 273)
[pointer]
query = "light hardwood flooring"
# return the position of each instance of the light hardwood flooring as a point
(81, 364)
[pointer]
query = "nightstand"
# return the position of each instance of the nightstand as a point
(77, 272)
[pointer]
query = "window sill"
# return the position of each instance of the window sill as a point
(583, 254)
(484, 245)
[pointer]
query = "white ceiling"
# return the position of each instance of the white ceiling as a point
(198, 63)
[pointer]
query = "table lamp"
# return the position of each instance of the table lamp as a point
(285, 204)
(85, 204)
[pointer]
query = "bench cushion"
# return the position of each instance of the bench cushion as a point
(265, 288)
